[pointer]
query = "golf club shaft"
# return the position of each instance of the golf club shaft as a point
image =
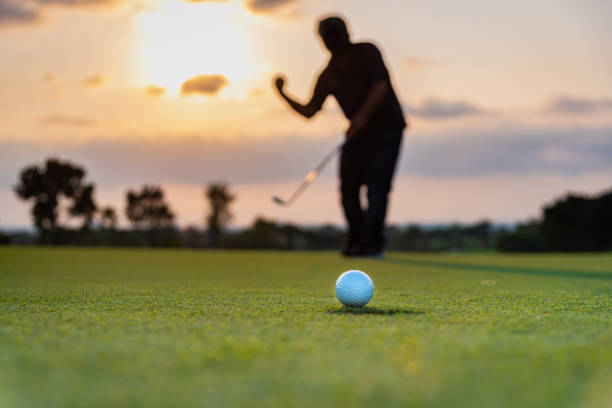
(311, 176)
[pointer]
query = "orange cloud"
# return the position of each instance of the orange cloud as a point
(204, 84)
(94, 80)
(264, 6)
(80, 3)
(155, 90)
(62, 120)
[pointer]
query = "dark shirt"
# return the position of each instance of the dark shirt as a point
(350, 81)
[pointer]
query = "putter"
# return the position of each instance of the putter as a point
(310, 177)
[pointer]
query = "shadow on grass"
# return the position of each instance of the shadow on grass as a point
(563, 273)
(374, 311)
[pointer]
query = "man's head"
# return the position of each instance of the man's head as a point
(334, 34)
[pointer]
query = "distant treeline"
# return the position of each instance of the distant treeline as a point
(572, 223)
(268, 234)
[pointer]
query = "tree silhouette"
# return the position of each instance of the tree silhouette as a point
(566, 224)
(219, 198)
(147, 208)
(84, 205)
(578, 223)
(571, 223)
(46, 184)
(602, 220)
(108, 218)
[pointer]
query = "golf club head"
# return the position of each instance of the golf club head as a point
(278, 200)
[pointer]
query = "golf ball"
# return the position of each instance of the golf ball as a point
(354, 288)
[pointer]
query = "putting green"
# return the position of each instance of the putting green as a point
(142, 328)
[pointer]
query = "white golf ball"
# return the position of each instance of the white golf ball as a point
(354, 288)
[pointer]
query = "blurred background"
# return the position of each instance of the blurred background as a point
(157, 124)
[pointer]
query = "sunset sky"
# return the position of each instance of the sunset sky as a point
(510, 102)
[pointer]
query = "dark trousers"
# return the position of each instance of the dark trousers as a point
(368, 160)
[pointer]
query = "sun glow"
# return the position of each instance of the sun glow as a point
(181, 40)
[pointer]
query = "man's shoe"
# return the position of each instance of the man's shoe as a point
(373, 252)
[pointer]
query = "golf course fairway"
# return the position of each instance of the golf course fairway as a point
(178, 328)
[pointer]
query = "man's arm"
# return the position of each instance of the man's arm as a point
(375, 97)
(308, 110)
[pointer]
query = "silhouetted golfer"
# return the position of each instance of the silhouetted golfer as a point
(357, 77)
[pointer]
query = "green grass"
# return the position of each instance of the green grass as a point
(138, 328)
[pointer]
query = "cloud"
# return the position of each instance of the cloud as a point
(155, 90)
(94, 80)
(174, 158)
(418, 63)
(509, 148)
(204, 84)
(15, 12)
(265, 6)
(477, 151)
(563, 156)
(79, 3)
(438, 109)
(24, 11)
(62, 120)
(578, 106)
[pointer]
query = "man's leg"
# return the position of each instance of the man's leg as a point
(380, 167)
(351, 180)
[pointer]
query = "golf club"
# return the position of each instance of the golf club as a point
(310, 177)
